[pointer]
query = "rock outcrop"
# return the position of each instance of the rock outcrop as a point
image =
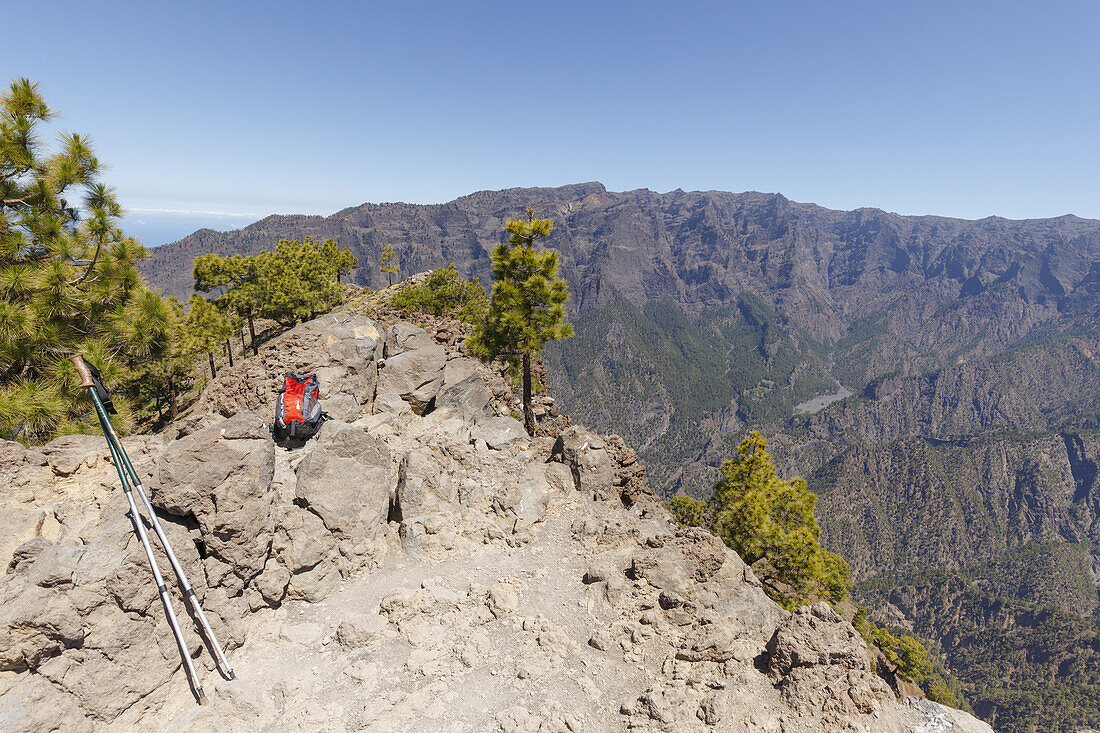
(420, 564)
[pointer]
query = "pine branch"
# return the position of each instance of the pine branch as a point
(88, 270)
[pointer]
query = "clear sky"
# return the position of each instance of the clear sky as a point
(215, 114)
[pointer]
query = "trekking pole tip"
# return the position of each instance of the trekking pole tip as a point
(202, 698)
(232, 675)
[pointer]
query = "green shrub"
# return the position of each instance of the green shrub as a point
(689, 512)
(909, 658)
(445, 293)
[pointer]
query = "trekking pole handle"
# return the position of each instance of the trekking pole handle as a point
(82, 370)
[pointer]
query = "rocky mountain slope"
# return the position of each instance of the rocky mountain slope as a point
(966, 499)
(422, 564)
(988, 546)
(1051, 656)
(971, 348)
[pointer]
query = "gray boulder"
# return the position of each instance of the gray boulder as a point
(820, 663)
(307, 552)
(347, 480)
(458, 370)
(423, 487)
(221, 477)
(68, 453)
(499, 432)
(467, 399)
(816, 636)
(404, 336)
(527, 496)
(341, 407)
(413, 377)
(360, 631)
(587, 457)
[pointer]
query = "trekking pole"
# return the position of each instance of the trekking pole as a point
(189, 595)
(188, 591)
(139, 529)
(123, 466)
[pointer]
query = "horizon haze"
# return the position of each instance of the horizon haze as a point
(218, 116)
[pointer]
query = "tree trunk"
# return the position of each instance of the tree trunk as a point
(229, 352)
(252, 332)
(173, 404)
(528, 410)
(213, 369)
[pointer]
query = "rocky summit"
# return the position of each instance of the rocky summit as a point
(422, 564)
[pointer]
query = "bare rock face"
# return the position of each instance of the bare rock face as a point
(84, 610)
(587, 456)
(819, 662)
(413, 378)
(499, 432)
(347, 480)
(420, 564)
(816, 636)
(467, 399)
(21, 471)
(220, 478)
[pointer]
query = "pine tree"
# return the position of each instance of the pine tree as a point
(527, 304)
(68, 281)
(770, 523)
(340, 258)
(445, 292)
(236, 327)
(163, 361)
(295, 281)
(689, 512)
(206, 329)
(240, 277)
(384, 263)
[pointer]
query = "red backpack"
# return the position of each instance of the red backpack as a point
(298, 410)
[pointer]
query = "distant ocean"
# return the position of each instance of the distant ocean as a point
(154, 228)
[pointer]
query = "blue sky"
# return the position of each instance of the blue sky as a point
(216, 114)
